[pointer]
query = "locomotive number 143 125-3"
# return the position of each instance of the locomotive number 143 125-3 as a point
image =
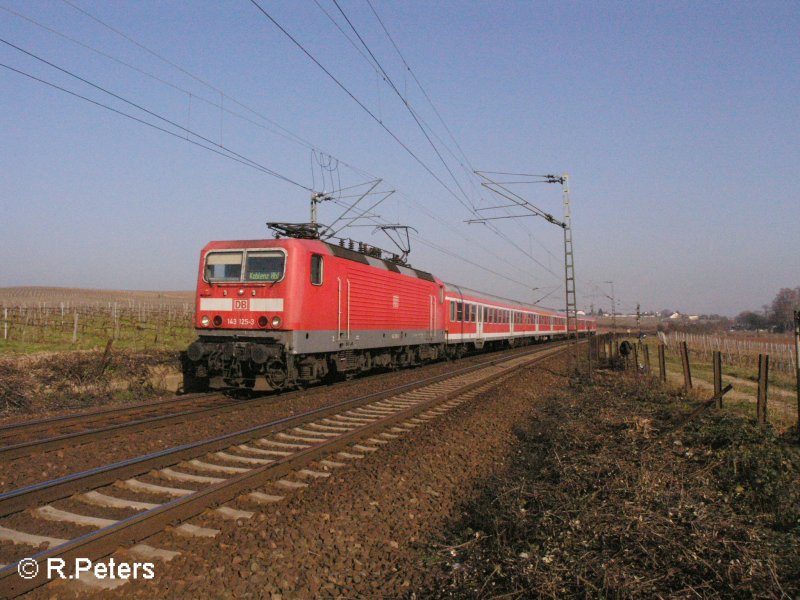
(241, 322)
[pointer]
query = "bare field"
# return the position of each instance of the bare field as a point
(53, 296)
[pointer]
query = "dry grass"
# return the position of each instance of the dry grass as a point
(612, 496)
(56, 381)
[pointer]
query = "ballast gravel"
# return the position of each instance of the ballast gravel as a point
(38, 467)
(358, 533)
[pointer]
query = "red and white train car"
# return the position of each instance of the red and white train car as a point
(294, 311)
(478, 318)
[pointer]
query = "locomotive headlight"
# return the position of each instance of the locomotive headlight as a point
(263, 321)
(276, 321)
(205, 321)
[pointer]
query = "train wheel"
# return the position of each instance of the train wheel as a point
(276, 374)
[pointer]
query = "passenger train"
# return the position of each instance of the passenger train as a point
(289, 312)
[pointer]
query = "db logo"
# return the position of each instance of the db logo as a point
(241, 304)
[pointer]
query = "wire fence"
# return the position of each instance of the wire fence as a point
(136, 324)
(735, 351)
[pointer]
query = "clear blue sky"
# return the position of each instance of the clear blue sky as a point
(678, 122)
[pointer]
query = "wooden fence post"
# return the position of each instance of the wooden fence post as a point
(797, 362)
(646, 357)
(687, 370)
(763, 386)
(5, 337)
(717, 360)
(75, 328)
(662, 363)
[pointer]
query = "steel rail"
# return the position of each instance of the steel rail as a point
(56, 442)
(130, 530)
(88, 416)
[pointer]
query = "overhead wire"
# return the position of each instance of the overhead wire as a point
(355, 99)
(223, 152)
(148, 111)
(284, 132)
(405, 103)
(380, 75)
(441, 120)
(420, 86)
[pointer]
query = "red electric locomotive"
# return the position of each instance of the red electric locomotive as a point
(287, 312)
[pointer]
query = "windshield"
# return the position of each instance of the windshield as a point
(224, 266)
(264, 266)
(259, 265)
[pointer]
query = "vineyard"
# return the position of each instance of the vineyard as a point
(737, 351)
(47, 319)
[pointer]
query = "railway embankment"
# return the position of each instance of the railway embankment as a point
(536, 485)
(612, 493)
(51, 383)
(362, 531)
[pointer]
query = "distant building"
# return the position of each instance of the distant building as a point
(675, 315)
(694, 318)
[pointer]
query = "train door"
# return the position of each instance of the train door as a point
(431, 316)
(479, 321)
(343, 307)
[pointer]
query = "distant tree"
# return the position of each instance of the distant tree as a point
(751, 320)
(665, 314)
(783, 306)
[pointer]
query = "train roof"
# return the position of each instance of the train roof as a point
(452, 287)
(335, 249)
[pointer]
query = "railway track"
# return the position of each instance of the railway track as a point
(46, 435)
(43, 435)
(169, 487)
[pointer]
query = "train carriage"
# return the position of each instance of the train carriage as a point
(476, 318)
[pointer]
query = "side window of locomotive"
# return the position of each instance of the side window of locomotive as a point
(223, 266)
(316, 269)
(264, 266)
(459, 311)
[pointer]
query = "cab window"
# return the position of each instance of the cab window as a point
(264, 266)
(223, 266)
(316, 269)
